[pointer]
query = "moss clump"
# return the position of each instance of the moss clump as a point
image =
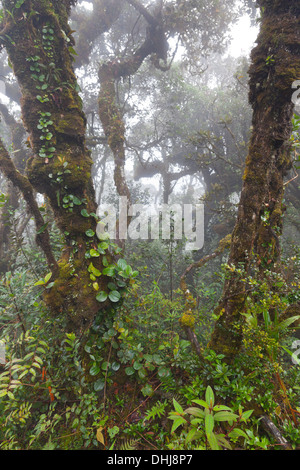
(187, 320)
(73, 295)
(71, 124)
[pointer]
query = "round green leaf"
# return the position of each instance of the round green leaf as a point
(102, 296)
(114, 296)
(94, 370)
(85, 213)
(94, 253)
(129, 370)
(137, 365)
(163, 372)
(90, 233)
(122, 264)
(111, 286)
(109, 271)
(99, 385)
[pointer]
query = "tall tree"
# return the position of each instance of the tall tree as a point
(39, 43)
(275, 66)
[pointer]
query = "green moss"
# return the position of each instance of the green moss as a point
(70, 124)
(187, 319)
(72, 294)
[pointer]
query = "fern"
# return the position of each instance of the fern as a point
(129, 444)
(158, 410)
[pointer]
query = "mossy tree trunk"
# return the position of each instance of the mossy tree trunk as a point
(39, 43)
(275, 65)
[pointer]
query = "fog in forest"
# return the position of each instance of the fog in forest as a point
(149, 225)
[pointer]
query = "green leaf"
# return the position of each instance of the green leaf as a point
(48, 277)
(209, 423)
(114, 296)
(223, 442)
(90, 233)
(225, 416)
(85, 213)
(128, 271)
(195, 412)
(177, 407)
(102, 296)
(129, 371)
(178, 422)
(193, 435)
(201, 403)
(109, 271)
(137, 365)
(77, 201)
(147, 390)
(122, 264)
(221, 408)
(42, 229)
(94, 370)
(288, 322)
(111, 286)
(93, 270)
(237, 433)
(115, 366)
(104, 245)
(99, 385)
(163, 372)
(94, 253)
(246, 415)
(209, 396)
(213, 442)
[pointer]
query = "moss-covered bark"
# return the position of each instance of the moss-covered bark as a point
(275, 65)
(40, 48)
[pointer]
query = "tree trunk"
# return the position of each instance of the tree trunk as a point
(40, 46)
(275, 65)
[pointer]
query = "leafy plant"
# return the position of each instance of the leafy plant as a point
(206, 419)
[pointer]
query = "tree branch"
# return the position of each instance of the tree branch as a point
(22, 183)
(151, 20)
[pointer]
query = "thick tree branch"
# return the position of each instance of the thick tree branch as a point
(90, 27)
(151, 20)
